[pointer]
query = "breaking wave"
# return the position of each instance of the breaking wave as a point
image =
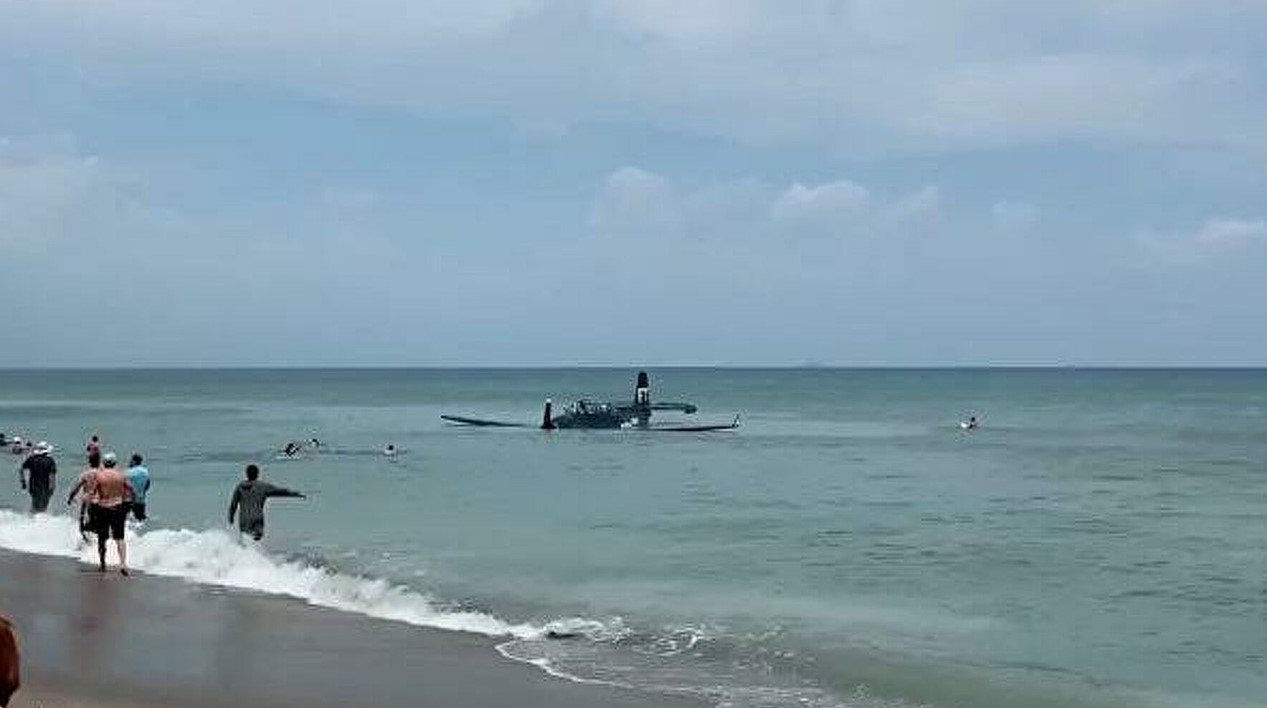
(219, 558)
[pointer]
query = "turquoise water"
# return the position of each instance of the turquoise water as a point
(1100, 541)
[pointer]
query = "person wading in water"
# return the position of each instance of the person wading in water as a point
(250, 495)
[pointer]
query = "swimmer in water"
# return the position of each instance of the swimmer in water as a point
(291, 449)
(390, 450)
(971, 424)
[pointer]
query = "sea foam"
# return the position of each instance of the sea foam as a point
(218, 558)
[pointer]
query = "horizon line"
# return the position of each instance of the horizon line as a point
(573, 367)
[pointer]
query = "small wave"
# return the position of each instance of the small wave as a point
(219, 558)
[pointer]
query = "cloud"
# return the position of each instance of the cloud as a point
(1217, 237)
(1056, 97)
(1232, 233)
(633, 199)
(76, 229)
(856, 78)
(828, 203)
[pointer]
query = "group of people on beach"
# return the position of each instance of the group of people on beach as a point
(108, 495)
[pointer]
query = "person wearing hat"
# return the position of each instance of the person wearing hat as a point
(108, 510)
(42, 472)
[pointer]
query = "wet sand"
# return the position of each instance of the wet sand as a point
(105, 640)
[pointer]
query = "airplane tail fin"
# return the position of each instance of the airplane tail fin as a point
(642, 393)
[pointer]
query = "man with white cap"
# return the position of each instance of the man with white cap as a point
(43, 476)
(108, 510)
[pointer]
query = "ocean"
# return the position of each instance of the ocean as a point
(1099, 541)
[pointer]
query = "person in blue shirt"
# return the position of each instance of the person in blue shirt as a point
(139, 478)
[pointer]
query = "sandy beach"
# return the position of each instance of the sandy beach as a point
(105, 641)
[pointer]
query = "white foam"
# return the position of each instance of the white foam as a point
(218, 558)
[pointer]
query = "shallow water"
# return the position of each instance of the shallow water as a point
(1098, 542)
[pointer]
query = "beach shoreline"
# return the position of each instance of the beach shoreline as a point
(97, 640)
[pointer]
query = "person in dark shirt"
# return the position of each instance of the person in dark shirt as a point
(38, 476)
(250, 495)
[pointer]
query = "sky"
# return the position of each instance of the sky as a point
(633, 182)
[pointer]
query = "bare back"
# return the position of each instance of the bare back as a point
(112, 488)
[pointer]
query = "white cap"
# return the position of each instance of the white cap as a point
(43, 448)
(109, 457)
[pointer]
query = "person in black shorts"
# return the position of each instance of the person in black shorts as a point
(84, 490)
(108, 521)
(38, 475)
(108, 512)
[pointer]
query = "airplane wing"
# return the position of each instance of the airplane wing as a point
(733, 425)
(683, 407)
(477, 422)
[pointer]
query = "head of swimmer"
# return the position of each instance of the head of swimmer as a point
(252, 472)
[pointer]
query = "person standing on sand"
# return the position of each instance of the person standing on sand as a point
(250, 495)
(42, 473)
(139, 478)
(108, 512)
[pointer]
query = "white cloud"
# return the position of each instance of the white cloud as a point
(1061, 96)
(84, 251)
(634, 200)
(858, 77)
(1228, 233)
(1217, 237)
(829, 202)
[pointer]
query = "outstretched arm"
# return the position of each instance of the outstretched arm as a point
(284, 492)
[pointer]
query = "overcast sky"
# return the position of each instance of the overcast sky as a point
(541, 182)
